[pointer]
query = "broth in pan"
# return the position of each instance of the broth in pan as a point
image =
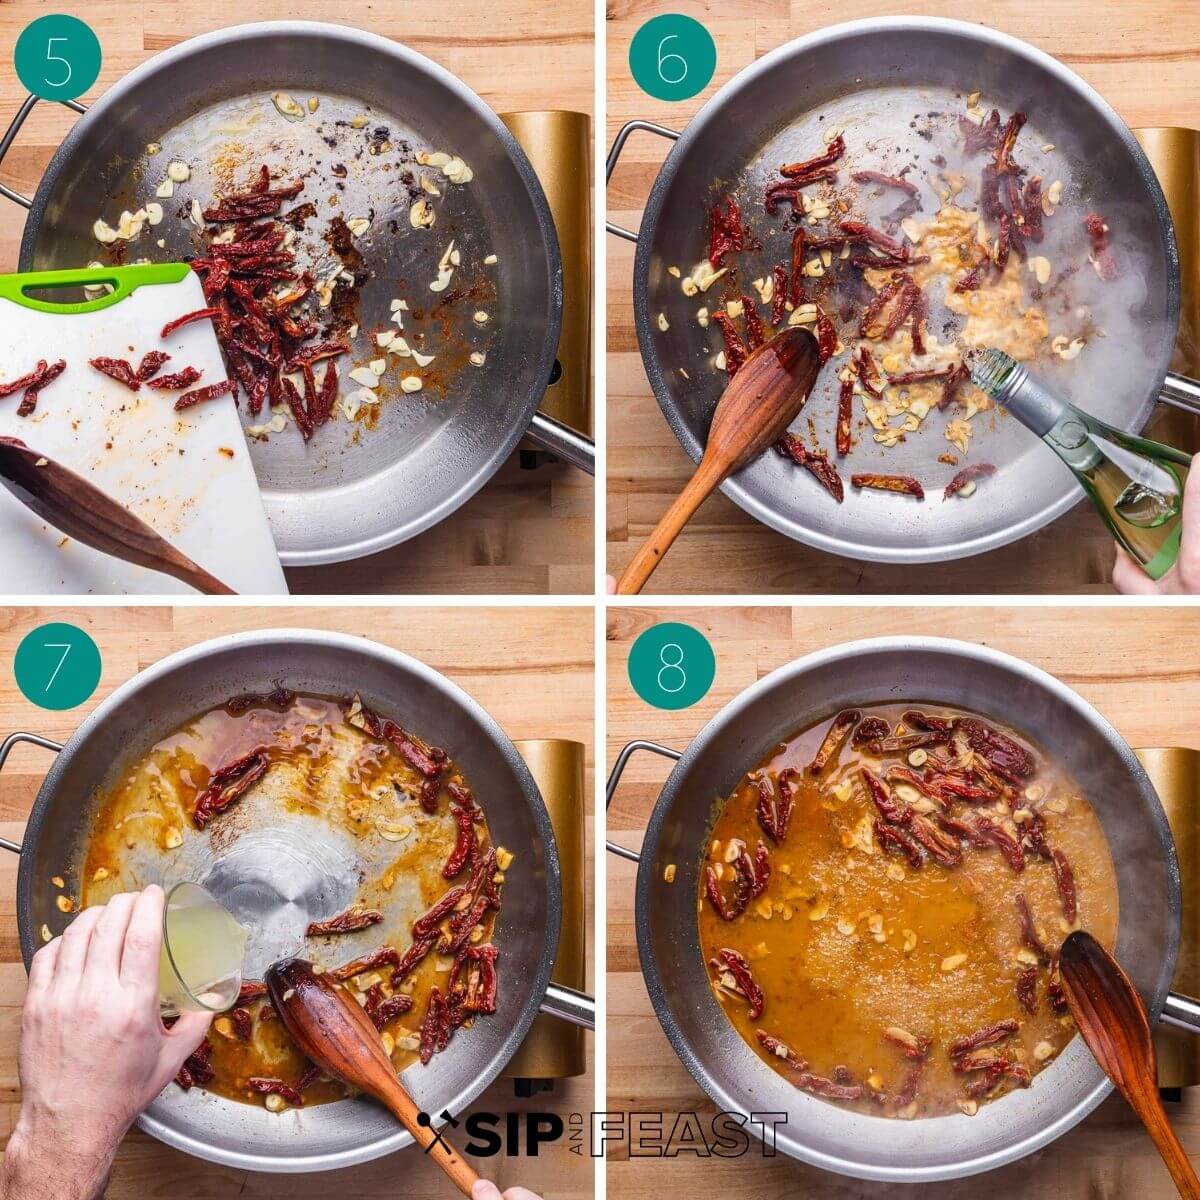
(323, 785)
(882, 905)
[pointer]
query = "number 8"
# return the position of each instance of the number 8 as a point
(56, 58)
(668, 665)
(664, 58)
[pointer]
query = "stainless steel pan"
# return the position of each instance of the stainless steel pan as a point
(803, 692)
(347, 493)
(871, 78)
(277, 872)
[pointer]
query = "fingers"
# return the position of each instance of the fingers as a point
(108, 941)
(519, 1193)
(485, 1189)
(143, 942)
(1129, 579)
(72, 953)
(1187, 565)
(41, 970)
(183, 1037)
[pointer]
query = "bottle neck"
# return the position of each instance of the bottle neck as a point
(1055, 421)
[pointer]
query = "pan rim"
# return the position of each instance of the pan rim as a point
(647, 877)
(406, 57)
(301, 637)
(643, 318)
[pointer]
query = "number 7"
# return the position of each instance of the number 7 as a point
(65, 647)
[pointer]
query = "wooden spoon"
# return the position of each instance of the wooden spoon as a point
(82, 511)
(760, 402)
(331, 1028)
(1113, 1021)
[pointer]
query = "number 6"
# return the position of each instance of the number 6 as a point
(57, 58)
(665, 58)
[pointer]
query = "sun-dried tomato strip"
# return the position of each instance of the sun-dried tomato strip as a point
(970, 281)
(926, 376)
(860, 231)
(199, 314)
(827, 338)
(352, 920)
(965, 476)
(465, 816)
(429, 761)
(1026, 989)
(815, 462)
(118, 369)
(1055, 992)
(988, 1036)
(201, 395)
(735, 350)
(789, 190)
(270, 1086)
(152, 360)
(1008, 140)
(775, 805)
(870, 729)
(33, 383)
(845, 414)
(796, 294)
(739, 968)
(1003, 754)
(1102, 256)
(832, 152)
(869, 374)
(893, 838)
(197, 1067)
(1003, 840)
(385, 956)
(755, 334)
(904, 484)
(725, 232)
(1064, 880)
(891, 809)
(250, 992)
(779, 295)
(983, 136)
(942, 848)
(228, 784)
(836, 736)
(383, 1010)
(772, 1045)
(892, 181)
(903, 743)
(176, 382)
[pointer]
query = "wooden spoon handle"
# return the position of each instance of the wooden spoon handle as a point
(461, 1173)
(1154, 1117)
(708, 476)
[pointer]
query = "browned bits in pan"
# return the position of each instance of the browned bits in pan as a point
(905, 485)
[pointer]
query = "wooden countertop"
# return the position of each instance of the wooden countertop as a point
(1143, 675)
(526, 531)
(505, 658)
(1143, 57)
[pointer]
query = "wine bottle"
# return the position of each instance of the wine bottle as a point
(1136, 484)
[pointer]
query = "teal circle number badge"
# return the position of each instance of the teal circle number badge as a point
(672, 665)
(57, 666)
(672, 57)
(57, 57)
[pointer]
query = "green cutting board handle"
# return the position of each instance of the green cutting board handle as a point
(124, 281)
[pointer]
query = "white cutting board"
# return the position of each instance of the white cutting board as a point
(188, 475)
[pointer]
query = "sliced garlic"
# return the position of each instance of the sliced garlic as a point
(287, 107)
(178, 172)
(410, 383)
(421, 215)
(358, 225)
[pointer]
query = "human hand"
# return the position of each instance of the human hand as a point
(485, 1189)
(94, 1051)
(1183, 579)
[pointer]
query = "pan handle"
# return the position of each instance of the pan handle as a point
(615, 153)
(1181, 392)
(567, 1004)
(563, 442)
(14, 127)
(5, 749)
(1181, 1012)
(614, 778)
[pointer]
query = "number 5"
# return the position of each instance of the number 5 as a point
(663, 59)
(57, 58)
